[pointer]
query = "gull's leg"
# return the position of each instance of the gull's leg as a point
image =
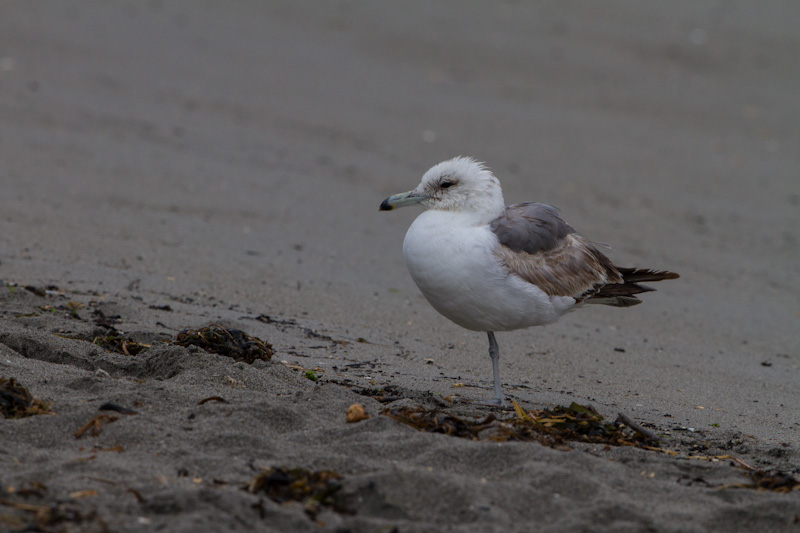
(494, 353)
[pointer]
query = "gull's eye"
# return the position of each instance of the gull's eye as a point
(446, 184)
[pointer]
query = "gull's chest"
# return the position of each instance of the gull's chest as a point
(445, 252)
(452, 260)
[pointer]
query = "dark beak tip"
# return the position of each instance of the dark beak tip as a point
(385, 206)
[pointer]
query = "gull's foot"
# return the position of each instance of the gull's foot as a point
(495, 402)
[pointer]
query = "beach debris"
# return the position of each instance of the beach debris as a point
(104, 321)
(78, 494)
(385, 394)
(48, 290)
(108, 337)
(232, 343)
(38, 291)
(108, 406)
(96, 425)
(33, 489)
(641, 430)
(583, 423)
(115, 342)
(311, 334)
(266, 319)
(315, 490)
(309, 373)
(70, 307)
(561, 424)
(219, 399)
(357, 413)
(117, 449)
(552, 428)
(136, 494)
(774, 480)
(17, 402)
(52, 518)
(434, 421)
(763, 480)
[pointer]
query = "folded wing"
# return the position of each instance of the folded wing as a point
(539, 247)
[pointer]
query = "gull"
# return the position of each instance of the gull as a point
(488, 266)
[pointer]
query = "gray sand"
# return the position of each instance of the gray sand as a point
(228, 160)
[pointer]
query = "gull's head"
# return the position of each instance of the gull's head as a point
(460, 184)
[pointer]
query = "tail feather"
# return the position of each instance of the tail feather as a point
(616, 301)
(623, 294)
(637, 275)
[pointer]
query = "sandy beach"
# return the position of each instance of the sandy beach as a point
(171, 165)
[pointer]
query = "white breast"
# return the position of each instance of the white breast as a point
(451, 258)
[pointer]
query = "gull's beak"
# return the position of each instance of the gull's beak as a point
(402, 200)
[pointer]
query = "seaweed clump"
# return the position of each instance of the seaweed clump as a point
(552, 428)
(114, 340)
(773, 480)
(17, 402)
(56, 517)
(108, 337)
(233, 343)
(315, 490)
(117, 343)
(581, 423)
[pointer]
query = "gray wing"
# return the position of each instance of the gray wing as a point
(530, 227)
(538, 246)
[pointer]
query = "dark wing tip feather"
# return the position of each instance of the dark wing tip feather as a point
(636, 275)
(622, 294)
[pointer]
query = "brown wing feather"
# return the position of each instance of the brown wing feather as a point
(573, 268)
(538, 246)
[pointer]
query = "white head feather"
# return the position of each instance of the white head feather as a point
(462, 184)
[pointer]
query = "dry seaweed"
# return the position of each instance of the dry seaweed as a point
(762, 480)
(212, 399)
(104, 321)
(433, 421)
(582, 423)
(52, 518)
(550, 427)
(17, 402)
(114, 341)
(117, 343)
(315, 490)
(385, 394)
(311, 334)
(109, 337)
(96, 425)
(71, 309)
(34, 489)
(232, 343)
(774, 480)
(38, 291)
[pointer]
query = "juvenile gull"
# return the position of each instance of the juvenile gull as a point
(491, 267)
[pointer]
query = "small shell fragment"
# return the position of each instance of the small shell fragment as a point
(356, 413)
